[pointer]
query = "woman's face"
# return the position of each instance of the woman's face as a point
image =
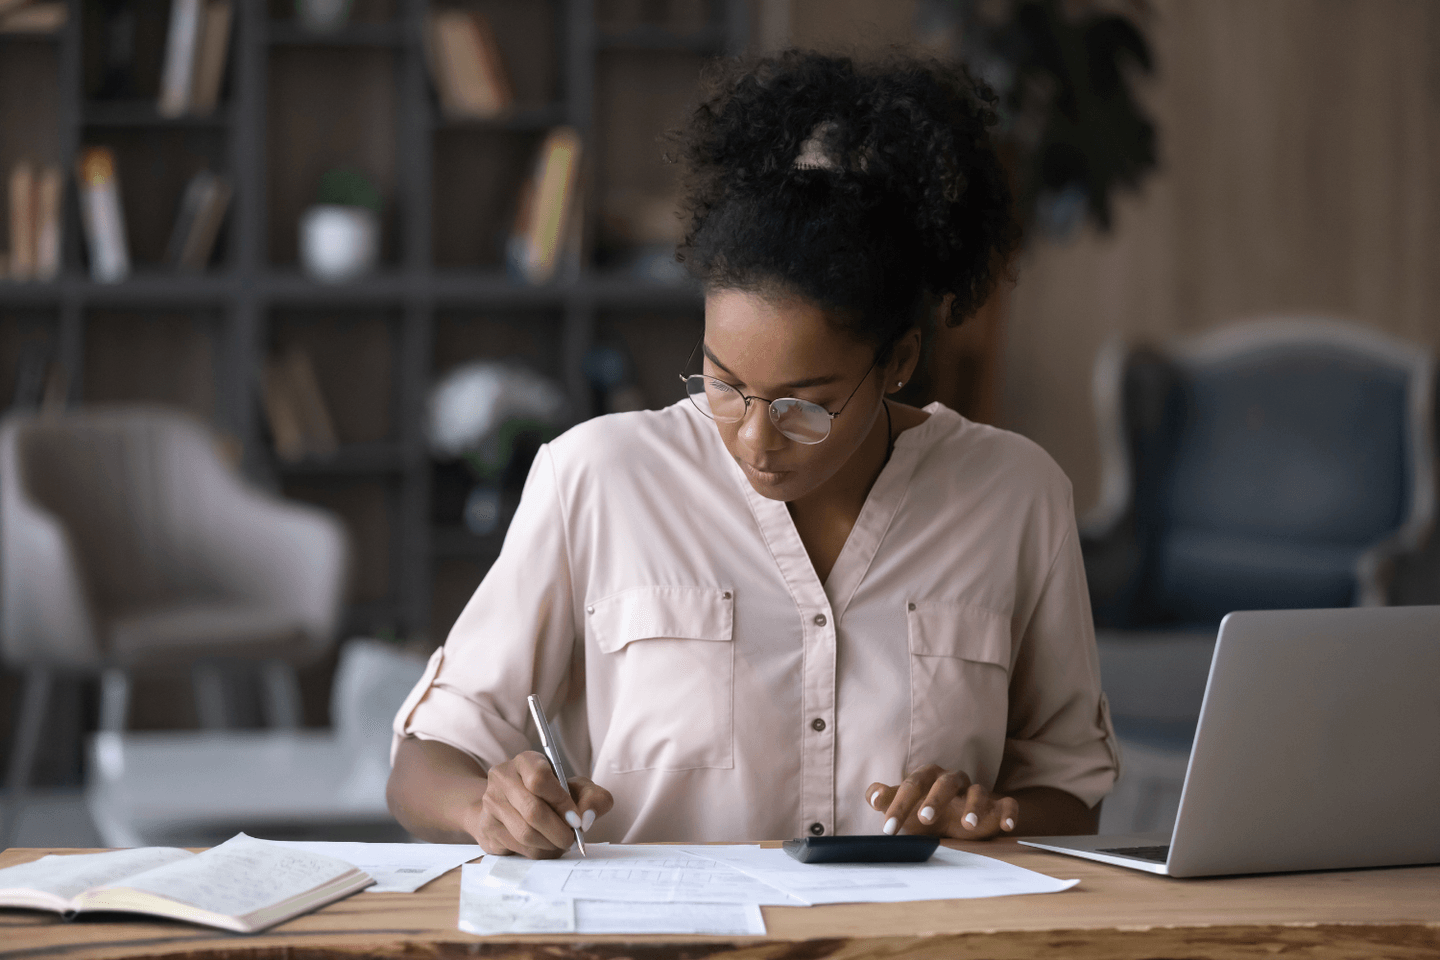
(775, 347)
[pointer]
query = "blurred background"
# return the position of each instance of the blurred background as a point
(290, 292)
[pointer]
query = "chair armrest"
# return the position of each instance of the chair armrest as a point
(279, 553)
(1376, 567)
(46, 614)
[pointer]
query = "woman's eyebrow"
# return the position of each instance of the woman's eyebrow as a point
(792, 385)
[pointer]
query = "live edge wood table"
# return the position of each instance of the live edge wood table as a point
(1113, 913)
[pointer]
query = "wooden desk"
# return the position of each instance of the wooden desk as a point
(1113, 913)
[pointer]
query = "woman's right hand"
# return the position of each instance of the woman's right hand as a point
(525, 810)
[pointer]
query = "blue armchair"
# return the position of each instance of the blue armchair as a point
(1281, 463)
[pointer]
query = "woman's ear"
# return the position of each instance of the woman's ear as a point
(903, 360)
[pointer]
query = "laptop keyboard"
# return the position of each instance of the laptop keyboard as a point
(1154, 854)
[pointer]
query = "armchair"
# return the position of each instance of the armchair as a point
(126, 543)
(1281, 463)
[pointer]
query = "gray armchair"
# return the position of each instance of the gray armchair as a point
(1281, 463)
(127, 543)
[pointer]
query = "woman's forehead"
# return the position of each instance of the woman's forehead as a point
(778, 340)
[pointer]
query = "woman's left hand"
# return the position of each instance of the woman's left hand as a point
(943, 803)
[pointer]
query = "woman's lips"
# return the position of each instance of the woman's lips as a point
(767, 477)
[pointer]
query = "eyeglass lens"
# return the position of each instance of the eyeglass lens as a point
(800, 420)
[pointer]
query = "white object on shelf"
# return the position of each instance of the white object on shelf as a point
(339, 243)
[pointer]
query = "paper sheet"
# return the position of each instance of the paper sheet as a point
(712, 919)
(634, 873)
(488, 908)
(396, 867)
(948, 875)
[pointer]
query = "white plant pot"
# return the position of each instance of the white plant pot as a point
(322, 15)
(339, 243)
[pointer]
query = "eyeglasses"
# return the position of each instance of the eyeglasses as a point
(800, 420)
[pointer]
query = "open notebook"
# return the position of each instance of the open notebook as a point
(245, 885)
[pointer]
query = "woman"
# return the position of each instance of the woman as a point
(787, 605)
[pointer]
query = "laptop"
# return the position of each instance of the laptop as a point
(1318, 748)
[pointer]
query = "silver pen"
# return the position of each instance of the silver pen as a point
(552, 753)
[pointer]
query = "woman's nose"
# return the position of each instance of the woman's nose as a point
(756, 429)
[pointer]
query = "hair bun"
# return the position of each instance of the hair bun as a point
(864, 187)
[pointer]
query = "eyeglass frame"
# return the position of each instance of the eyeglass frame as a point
(685, 379)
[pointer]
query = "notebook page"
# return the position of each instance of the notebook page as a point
(240, 876)
(70, 874)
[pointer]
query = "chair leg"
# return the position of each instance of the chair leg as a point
(282, 695)
(30, 723)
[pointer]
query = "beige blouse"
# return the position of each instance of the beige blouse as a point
(670, 620)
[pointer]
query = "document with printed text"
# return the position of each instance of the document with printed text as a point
(947, 875)
(637, 873)
(489, 907)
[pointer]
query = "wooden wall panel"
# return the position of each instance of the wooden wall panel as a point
(1301, 173)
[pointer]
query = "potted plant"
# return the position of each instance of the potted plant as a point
(340, 235)
(1071, 132)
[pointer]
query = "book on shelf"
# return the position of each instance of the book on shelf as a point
(197, 225)
(30, 371)
(466, 64)
(56, 395)
(34, 197)
(49, 197)
(299, 419)
(24, 17)
(545, 208)
(245, 885)
(22, 221)
(41, 382)
(210, 57)
(181, 42)
(102, 215)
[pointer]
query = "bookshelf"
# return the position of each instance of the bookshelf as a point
(294, 103)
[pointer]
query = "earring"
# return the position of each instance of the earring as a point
(899, 383)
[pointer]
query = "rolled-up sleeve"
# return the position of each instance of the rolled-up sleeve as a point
(515, 637)
(1059, 733)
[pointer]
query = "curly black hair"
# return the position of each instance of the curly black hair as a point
(871, 189)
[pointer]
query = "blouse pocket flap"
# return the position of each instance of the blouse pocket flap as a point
(939, 629)
(645, 613)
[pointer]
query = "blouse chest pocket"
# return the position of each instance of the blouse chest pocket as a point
(670, 660)
(959, 687)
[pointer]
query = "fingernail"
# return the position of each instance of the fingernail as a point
(1009, 824)
(589, 820)
(971, 820)
(873, 797)
(891, 826)
(572, 818)
(927, 814)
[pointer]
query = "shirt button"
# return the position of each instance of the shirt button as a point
(819, 619)
(912, 606)
(817, 724)
(589, 609)
(725, 595)
(817, 828)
